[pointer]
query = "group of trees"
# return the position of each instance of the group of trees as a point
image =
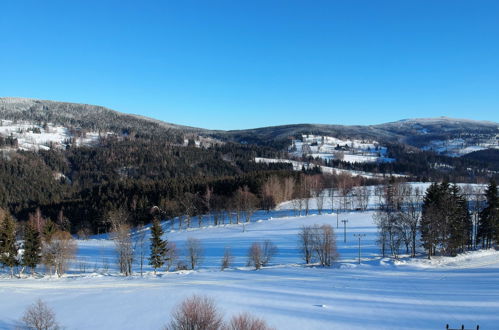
(318, 243)
(446, 220)
(398, 218)
(43, 242)
(446, 226)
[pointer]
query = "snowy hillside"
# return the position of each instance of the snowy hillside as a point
(406, 294)
(299, 165)
(460, 147)
(328, 147)
(32, 136)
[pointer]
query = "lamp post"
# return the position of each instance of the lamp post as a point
(359, 236)
(344, 230)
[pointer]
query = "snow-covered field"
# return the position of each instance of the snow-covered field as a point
(378, 294)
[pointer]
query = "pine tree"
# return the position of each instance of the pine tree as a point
(488, 227)
(8, 244)
(158, 246)
(429, 219)
(32, 247)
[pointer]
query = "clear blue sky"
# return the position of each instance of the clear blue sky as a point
(242, 64)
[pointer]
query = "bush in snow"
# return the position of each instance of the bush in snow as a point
(196, 313)
(39, 316)
(246, 322)
(226, 259)
(260, 255)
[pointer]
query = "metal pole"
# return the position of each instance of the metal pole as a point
(344, 230)
(359, 236)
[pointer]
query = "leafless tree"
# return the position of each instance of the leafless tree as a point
(226, 259)
(362, 197)
(188, 207)
(117, 217)
(269, 251)
(124, 247)
(171, 255)
(58, 252)
(260, 255)
(324, 244)
(255, 256)
(39, 316)
(316, 190)
(410, 218)
(194, 251)
(246, 321)
(306, 243)
(196, 313)
(140, 246)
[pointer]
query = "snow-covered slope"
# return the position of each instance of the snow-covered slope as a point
(349, 150)
(33, 136)
(378, 294)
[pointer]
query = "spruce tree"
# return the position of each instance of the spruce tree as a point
(430, 219)
(158, 246)
(488, 227)
(8, 244)
(32, 247)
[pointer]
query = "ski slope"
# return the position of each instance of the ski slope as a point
(378, 294)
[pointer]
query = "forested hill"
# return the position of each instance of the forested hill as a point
(89, 117)
(80, 162)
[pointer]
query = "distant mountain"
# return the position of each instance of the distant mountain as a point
(448, 136)
(91, 117)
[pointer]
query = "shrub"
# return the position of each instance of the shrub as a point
(39, 316)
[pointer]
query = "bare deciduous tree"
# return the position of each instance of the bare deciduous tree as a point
(194, 251)
(39, 316)
(306, 243)
(246, 321)
(260, 255)
(269, 251)
(255, 256)
(226, 259)
(171, 255)
(196, 313)
(124, 247)
(58, 252)
(324, 244)
(140, 246)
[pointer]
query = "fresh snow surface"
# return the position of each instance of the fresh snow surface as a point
(378, 294)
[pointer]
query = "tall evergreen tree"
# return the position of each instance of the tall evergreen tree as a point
(488, 227)
(430, 219)
(8, 244)
(158, 246)
(445, 224)
(32, 247)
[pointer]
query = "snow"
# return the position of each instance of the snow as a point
(460, 147)
(51, 135)
(328, 147)
(298, 165)
(378, 294)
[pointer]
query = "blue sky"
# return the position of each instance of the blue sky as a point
(242, 64)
